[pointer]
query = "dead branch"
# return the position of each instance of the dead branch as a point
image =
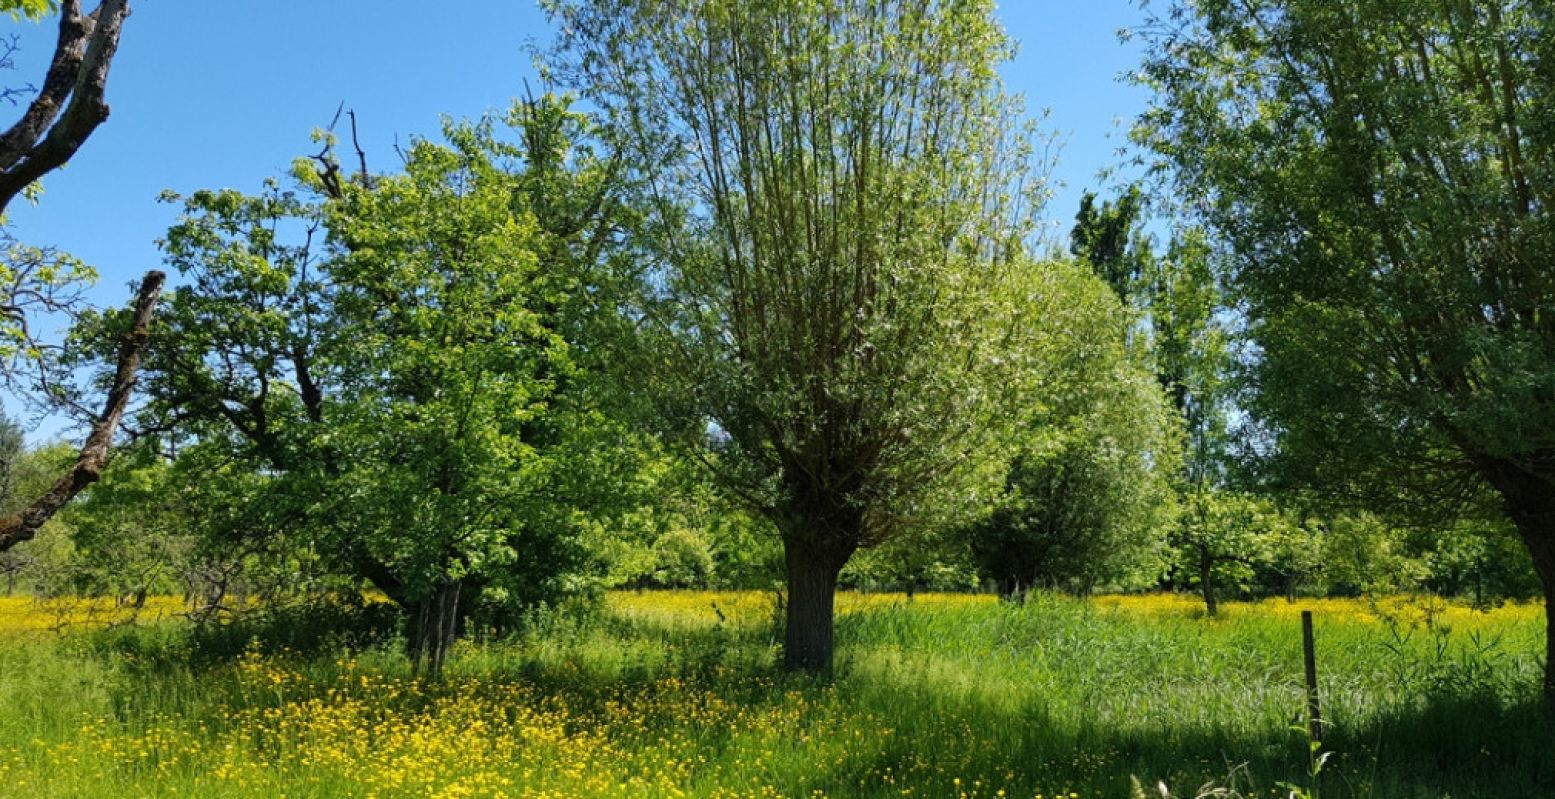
(22, 526)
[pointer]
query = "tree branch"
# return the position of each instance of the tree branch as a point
(22, 526)
(79, 74)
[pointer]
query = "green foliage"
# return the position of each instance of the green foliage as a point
(394, 371)
(1189, 342)
(682, 559)
(42, 565)
(1089, 493)
(680, 515)
(937, 560)
(1364, 555)
(1108, 238)
(28, 9)
(1480, 561)
(133, 532)
(1187, 337)
(12, 447)
(1376, 173)
(38, 285)
(812, 290)
(1223, 538)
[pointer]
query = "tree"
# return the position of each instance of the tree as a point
(404, 379)
(1092, 486)
(66, 110)
(1109, 239)
(1362, 554)
(840, 193)
(1190, 345)
(1224, 537)
(1187, 344)
(1380, 175)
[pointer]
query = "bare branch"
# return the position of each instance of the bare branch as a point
(70, 106)
(88, 467)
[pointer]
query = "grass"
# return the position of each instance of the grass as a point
(672, 694)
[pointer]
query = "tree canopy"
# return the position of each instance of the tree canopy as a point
(1380, 173)
(841, 200)
(388, 360)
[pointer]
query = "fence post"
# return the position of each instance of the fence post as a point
(1314, 714)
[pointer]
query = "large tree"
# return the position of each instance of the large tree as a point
(841, 192)
(1381, 174)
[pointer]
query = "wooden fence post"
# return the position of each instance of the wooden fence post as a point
(1314, 714)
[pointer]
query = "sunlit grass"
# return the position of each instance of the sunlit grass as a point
(712, 608)
(662, 695)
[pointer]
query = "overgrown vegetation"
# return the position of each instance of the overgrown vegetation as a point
(671, 694)
(756, 294)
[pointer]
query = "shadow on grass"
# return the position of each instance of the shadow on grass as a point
(873, 732)
(305, 630)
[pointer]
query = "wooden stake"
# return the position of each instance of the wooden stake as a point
(1314, 714)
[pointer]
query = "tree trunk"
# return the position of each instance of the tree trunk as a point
(434, 621)
(812, 592)
(1207, 581)
(1541, 544)
(1529, 500)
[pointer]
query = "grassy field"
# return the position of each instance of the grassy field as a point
(672, 695)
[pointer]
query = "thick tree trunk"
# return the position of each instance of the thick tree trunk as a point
(812, 592)
(1529, 500)
(1541, 544)
(1549, 644)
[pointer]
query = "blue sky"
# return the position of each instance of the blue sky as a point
(221, 93)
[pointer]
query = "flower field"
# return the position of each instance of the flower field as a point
(672, 695)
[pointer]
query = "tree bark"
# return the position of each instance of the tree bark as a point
(1207, 581)
(1539, 536)
(70, 105)
(434, 628)
(1541, 544)
(1529, 501)
(812, 591)
(23, 525)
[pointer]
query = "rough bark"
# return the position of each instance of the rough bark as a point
(70, 105)
(812, 591)
(23, 525)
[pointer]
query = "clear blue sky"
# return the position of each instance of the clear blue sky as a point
(219, 93)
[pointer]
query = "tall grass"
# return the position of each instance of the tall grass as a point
(667, 695)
